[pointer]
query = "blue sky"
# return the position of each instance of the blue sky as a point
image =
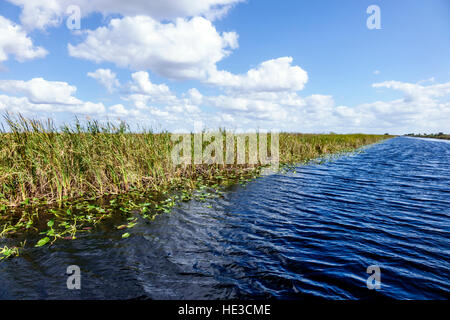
(306, 66)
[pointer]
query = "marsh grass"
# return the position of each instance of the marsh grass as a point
(58, 182)
(42, 163)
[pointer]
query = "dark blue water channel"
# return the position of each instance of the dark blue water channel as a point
(309, 233)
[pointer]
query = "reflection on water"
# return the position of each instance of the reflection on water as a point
(311, 233)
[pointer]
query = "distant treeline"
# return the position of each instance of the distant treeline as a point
(439, 135)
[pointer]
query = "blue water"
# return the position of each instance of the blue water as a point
(309, 233)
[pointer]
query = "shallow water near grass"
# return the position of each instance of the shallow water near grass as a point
(308, 233)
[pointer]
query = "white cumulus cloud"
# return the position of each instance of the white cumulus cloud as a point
(105, 77)
(141, 84)
(40, 14)
(272, 75)
(38, 94)
(41, 91)
(14, 41)
(184, 49)
(416, 92)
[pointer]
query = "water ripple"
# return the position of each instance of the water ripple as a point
(306, 234)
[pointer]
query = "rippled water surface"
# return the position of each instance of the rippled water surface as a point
(311, 233)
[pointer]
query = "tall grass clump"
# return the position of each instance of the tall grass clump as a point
(40, 161)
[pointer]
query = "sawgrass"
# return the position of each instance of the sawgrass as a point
(39, 162)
